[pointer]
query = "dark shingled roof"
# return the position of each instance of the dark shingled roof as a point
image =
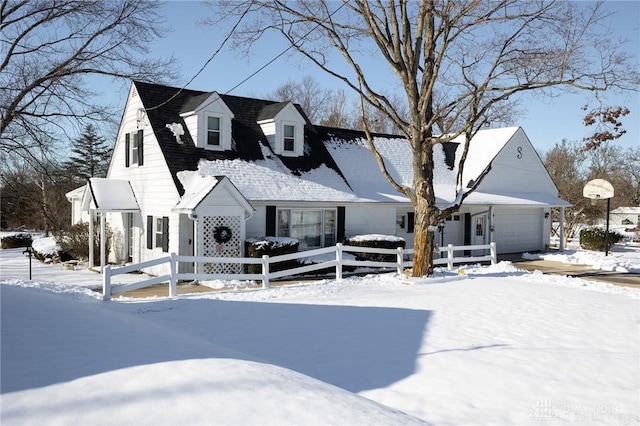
(164, 104)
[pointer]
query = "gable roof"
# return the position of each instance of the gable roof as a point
(337, 165)
(198, 188)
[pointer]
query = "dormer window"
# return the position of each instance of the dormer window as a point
(289, 143)
(283, 126)
(213, 131)
(208, 120)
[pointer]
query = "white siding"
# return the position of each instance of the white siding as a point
(518, 169)
(370, 219)
(152, 183)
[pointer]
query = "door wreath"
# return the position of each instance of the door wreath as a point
(222, 234)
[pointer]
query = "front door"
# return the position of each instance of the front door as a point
(480, 232)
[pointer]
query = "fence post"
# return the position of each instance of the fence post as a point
(106, 283)
(265, 271)
(400, 259)
(450, 256)
(173, 265)
(494, 253)
(339, 262)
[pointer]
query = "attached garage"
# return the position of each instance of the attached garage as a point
(519, 229)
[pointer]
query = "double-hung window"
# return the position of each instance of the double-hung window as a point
(158, 233)
(311, 227)
(213, 131)
(289, 134)
(135, 143)
(133, 148)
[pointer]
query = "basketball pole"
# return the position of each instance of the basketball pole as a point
(606, 235)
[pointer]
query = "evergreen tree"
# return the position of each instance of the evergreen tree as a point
(90, 156)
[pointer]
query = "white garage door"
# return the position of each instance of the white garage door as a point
(518, 230)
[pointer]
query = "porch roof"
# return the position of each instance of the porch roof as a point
(109, 195)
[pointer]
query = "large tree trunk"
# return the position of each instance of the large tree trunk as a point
(426, 212)
(424, 238)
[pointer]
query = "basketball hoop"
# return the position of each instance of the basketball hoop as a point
(600, 189)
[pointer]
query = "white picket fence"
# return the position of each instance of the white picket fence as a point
(403, 260)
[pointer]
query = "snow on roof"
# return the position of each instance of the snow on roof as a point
(513, 199)
(76, 193)
(269, 179)
(196, 188)
(111, 195)
(485, 146)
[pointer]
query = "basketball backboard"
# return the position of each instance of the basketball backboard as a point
(598, 189)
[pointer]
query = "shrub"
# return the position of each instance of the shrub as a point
(594, 238)
(74, 243)
(16, 241)
(375, 241)
(271, 246)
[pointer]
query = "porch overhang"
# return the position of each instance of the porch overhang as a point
(106, 196)
(109, 195)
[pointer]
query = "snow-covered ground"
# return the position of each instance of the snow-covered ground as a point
(494, 345)
(622, 258)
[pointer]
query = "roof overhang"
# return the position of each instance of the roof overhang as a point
(520, 199)
(109, 195)
(199, 188)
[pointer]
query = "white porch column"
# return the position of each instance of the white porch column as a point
(491, 224)
(561, 245)
(91, 218)
(103, 243)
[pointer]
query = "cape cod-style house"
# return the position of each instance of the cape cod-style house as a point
(197, 173)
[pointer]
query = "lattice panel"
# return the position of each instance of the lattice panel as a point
(213, 248)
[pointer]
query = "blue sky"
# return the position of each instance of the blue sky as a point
(546, 121)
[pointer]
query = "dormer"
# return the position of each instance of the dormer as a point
(283, 125)
(208, 120)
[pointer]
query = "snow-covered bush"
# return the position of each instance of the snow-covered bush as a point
(47, 249)
(16, 240)
(375, 241)
(594, 238)
(271, 246)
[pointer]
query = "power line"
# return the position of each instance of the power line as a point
(206, 63)
(285, 50)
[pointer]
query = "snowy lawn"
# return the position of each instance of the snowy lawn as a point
(494, 346)
(623, 257)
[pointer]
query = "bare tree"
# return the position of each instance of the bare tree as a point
(336, 114)
(478, 55)
(567, 166)
(49, 47)
(308, 93)
(620, 167)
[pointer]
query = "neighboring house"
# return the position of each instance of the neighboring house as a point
(208, 171)
(625, 216)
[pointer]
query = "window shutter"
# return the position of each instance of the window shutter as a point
(140, 147)
(165, 234)
(150, 232)
(127, 149)
(410, 220)
(270, 224)
(467, 232)
(340, 231)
